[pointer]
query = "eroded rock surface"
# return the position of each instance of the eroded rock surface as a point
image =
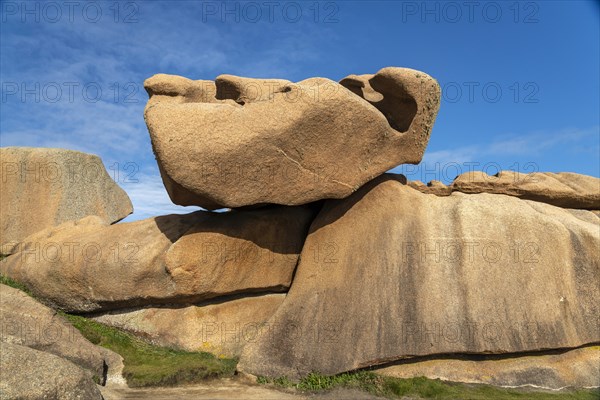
(239, 142)
(30, 374)
(222, 329)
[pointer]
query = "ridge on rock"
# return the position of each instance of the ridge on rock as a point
(563, 189)
(559, 369)
(239, 142)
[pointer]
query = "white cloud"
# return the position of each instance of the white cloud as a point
(530, 144)
(520, 152)
(536, 143)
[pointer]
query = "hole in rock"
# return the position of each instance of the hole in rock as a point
(398, 107)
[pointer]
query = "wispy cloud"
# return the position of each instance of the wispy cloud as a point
(536, 143)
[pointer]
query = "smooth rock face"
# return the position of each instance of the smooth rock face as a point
(239, 142)
(390, 273)
(575, 368)
(169, 259)
(222, 329)
(28, 323)
(42, 188)
(564, 189)
(30, 374)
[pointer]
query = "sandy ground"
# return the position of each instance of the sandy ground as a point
(227, 389)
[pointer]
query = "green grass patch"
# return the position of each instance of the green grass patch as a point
(144, 363)
(5, 280)
(149, 365)
(396, 388)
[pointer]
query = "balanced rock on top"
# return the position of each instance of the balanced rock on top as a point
(238, 142)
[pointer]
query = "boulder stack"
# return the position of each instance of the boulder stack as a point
(324, 263)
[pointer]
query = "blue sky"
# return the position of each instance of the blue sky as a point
(520, 80)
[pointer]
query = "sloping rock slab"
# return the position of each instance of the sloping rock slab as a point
(390, 273)
(29, 374)
(578, 368)
(26, 322)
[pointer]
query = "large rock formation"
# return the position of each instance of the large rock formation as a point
(492, 280)
(42, 188)
(564, 189)
(238, 142)
(90, 266)
(390, 273)
(575, 368)
(26, 322)
(222, 329)
(30, 374)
